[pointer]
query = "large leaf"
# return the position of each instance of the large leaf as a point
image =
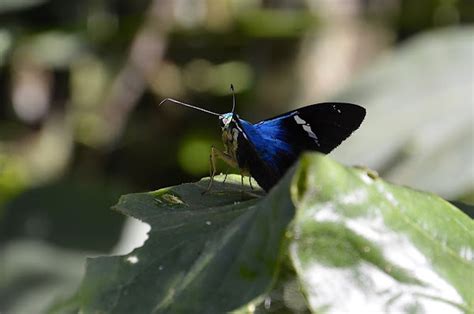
(205, 254)
(364, 245)
(356, 243)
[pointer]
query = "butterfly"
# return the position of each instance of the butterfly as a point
(267, 149)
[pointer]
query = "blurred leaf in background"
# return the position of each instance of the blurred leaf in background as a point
(67, 213)
(34, 275)
(422, 96)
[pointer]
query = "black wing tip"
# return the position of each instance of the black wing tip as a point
(358, 113)
(357, 110)
(353, 109)
(345, 104)
(338, 103)
(361, 111)
(352, 114)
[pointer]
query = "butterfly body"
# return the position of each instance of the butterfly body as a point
(243, 152)
(265, 150)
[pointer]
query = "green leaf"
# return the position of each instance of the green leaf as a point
(363, 245)
(356, 243)
(205, 253)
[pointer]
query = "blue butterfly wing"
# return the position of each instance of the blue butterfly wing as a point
(320, 127)
(276, 143)
(270, 141)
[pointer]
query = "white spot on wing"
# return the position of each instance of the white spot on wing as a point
(306, 128)
(299, 120)
(310, 132)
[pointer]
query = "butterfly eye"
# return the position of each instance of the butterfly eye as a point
(225, 120)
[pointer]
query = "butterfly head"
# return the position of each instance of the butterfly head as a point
(226, 120)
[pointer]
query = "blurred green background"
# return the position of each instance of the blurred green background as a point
(79, 121)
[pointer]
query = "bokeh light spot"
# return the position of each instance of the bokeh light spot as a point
(198, 75)
(238, 73)
(193, 155)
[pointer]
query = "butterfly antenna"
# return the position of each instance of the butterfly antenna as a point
(187, 105)
(233, 97)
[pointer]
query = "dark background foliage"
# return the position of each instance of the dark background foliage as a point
(80, 83)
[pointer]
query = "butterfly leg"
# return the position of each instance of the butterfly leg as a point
(245, 193)
(225, 176)
(216, 153)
